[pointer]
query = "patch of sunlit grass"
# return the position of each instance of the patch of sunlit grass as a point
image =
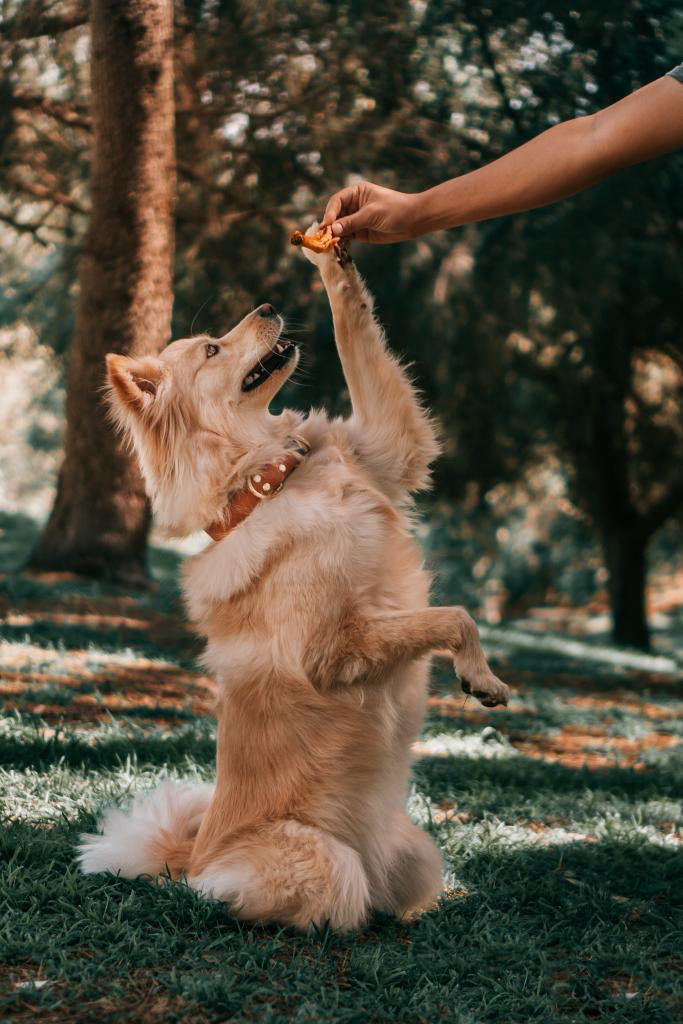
(562, 898)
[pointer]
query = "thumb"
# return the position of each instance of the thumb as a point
(353, 224)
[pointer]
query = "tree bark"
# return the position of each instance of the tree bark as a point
(100, 519)
(626, 565)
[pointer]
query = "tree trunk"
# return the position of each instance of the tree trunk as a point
(626, 565)
(99, 522)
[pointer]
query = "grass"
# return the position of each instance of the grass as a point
(559, 819)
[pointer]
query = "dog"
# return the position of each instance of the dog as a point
(314, 604)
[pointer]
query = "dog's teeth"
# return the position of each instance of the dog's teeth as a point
(279, 348)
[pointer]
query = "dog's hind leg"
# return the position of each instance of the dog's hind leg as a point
(286, 872)
(413, 873)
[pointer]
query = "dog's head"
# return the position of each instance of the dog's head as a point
(199, 407)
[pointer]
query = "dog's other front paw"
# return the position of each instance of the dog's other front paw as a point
(486, 687)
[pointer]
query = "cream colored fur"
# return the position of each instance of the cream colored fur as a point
(315, 610)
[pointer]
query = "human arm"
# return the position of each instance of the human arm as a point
(561, 161)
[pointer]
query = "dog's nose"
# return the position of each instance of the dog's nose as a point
(266, 310)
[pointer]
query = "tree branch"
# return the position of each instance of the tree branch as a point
(32, 21)
(59, 111)
(45, 194)
(30, 229)
(662, 510)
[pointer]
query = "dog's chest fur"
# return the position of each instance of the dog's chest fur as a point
(328, 544)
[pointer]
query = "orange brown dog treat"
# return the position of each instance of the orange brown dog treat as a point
(321, 241)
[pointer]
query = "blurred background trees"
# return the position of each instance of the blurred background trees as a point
(99, 521)
(548, 343)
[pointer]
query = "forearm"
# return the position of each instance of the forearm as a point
(561, 161)
(554, 165)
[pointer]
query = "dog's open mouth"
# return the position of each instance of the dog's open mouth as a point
(275, 359)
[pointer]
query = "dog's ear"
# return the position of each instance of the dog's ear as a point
(133, 382)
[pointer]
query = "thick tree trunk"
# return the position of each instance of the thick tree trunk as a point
(626, 565)
(99, 522)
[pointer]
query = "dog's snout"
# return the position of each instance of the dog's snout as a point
(266, 311)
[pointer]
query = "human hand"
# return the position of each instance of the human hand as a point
(372, 213)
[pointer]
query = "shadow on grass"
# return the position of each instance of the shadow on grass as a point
(134, 715)
(441, 777)
(181, 646)
(569, 933)
(39, 748)
(525, 673)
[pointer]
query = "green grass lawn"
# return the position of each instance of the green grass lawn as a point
(559, 819)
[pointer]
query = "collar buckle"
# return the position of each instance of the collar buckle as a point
(266, 483)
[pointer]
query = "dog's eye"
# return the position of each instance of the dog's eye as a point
(212, 350)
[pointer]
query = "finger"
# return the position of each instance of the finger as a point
(332, 210)
(359, 227)
(344, 201)
(356, 224)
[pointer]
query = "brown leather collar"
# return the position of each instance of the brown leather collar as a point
(266, 483)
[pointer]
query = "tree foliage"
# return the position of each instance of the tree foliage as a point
(552, 332)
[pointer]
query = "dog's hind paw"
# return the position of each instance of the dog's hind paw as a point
(487, 688)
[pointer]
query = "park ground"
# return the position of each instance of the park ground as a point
(559, 819)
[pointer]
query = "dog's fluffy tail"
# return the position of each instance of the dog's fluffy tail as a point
(155, 833)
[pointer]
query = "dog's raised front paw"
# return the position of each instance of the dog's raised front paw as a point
(487, 688)
(338, 252)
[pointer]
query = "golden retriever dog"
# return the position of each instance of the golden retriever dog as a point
(314, 605)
